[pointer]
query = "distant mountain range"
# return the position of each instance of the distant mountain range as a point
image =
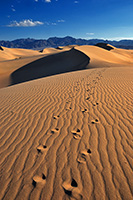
(55, 42)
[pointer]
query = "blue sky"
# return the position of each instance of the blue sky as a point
(41, 19)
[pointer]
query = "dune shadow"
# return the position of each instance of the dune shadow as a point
(50, 65)
(104, 46)
(1, 48)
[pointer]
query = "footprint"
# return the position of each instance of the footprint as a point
(38, 180)
(77, 134)
(41, 148)
(69, 108)
(87, 98)
(95, 121)
(78, 130)
(56, 117)
(74, 183)
(56, 130)
(94, 104)
(85, 110)
(72, 190)
(82, 157)
(89, 151)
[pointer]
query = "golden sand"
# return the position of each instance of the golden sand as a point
(69, 136)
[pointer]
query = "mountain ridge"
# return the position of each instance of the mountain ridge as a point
(30, 43)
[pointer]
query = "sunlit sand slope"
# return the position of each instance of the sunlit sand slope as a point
(68, 137)
(100, 57)
(13, 59)
(25, 65)
(14, 53)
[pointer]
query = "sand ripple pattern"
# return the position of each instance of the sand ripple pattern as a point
(68, 137)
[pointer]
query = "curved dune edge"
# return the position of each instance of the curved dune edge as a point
(12, 71)
(68, 136)
(100, 57)
(13, 59)
(108, 47)
(75, 58)
(66, 61)
(16, 53)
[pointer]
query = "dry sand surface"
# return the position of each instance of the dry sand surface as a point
(69, 136)
(13, 59)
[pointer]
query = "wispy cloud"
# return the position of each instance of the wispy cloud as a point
(25, 23)
(12, 8)
(118, 38)
(89, 33)
(53, 23)
(76, 1)
(60, 20)
(48, 1)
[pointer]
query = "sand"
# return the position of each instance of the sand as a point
(69, 136)
(13, 59)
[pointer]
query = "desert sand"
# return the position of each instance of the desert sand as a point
(68, 135)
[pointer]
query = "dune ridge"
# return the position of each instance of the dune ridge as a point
(68, 136)
(69, 60)
(50, 61)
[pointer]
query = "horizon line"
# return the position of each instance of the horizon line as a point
(109, 39)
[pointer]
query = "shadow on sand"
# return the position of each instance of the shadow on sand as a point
(104, 46)
(50, 65)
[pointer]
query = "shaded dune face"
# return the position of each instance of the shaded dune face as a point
(53, 64)
(104, 46)
(1, 48)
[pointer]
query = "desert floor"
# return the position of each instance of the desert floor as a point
(67, 136)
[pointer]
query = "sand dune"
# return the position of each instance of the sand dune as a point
(9, 66)
(53, 64)
(60, 60)
(12, 53)
(13, 59)
(100, 57)
(67, 136)
(105, 46)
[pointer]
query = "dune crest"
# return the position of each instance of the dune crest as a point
(50, 61)
(100, 57)
(66, 61)
(105, 46)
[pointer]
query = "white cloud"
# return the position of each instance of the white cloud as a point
(118, 38)
(48, 1)
(54, 23)
(36, 0)
(60, 21)
(12, 8)
(76, 2)
(25, 23)
(89, 33)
